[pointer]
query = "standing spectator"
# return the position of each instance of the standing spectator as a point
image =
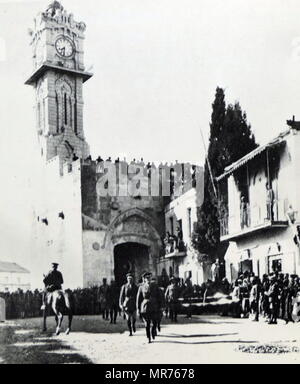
(243, 212)
(215, 271)
(236, 299)
(254, 299)
(245, 291)
(264, 301)
(290, 293)
(103, 299)
(273, 295)
(172, 298)
(225, 286)
(270, 202)
(113, 301)
(188, 295)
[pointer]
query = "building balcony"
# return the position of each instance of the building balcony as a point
(175, 254)
(174, 248)
(250, 221)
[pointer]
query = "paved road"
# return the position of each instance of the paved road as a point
(204, 339)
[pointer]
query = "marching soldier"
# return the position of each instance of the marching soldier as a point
(127, 302)
(149, 303)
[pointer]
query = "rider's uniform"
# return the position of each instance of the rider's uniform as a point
(53, 281)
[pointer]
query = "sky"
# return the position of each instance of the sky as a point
(156, 66)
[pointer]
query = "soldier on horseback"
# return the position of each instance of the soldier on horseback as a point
(57, 299)
(53, 282)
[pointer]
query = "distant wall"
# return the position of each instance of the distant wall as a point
(60, 239)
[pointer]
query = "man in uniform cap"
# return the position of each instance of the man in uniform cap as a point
(149, 304)
(103, 298)
(273, 294)
(53, 282)
(127, 302)
(113, 301)
(172, 298)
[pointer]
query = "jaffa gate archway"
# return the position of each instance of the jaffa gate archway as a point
(130, 257)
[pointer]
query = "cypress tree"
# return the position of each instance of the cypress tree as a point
(230, 139)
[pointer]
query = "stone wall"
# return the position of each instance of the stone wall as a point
(109, 221)
(57, 224)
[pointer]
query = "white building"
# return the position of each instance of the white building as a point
(180, 258)
(13, 277)
(260, 224)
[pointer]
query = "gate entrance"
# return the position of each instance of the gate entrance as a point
(130, 257)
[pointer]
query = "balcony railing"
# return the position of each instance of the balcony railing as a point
(252, 217)
(174, 247)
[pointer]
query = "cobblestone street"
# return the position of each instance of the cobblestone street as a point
(204, 339)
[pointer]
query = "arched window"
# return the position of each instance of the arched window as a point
(57, 114)
(75, 118)
(65, 108)
(70, 112)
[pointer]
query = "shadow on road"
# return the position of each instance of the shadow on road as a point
(31, 347)
(199, 335)
(205, 342)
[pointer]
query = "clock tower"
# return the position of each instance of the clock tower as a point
(58, 77)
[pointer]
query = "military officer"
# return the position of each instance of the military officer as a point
(149, 304)
(127, 302)
(53, 282)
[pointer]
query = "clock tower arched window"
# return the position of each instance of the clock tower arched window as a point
(66, 109)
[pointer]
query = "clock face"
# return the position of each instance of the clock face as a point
(64, 47)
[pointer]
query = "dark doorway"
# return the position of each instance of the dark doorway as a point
(246, 266)
(130, 257)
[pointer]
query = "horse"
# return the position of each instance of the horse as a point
(59, 301)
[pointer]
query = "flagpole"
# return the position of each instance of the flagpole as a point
(208, 164)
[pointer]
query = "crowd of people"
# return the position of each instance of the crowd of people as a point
(98, 300)
(22, 305)
(275, 296)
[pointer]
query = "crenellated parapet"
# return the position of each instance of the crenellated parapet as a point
(143, 179)
(56, 15)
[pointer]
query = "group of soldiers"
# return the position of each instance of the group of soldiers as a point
(147, 300)
(101, 300)
(275, 296)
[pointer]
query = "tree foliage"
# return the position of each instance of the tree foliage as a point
(230, 139)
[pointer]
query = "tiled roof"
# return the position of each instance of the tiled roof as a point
(231, 168)
(12, 267)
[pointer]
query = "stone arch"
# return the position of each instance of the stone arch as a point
(65, 102)
(141, 231)
(127, 214)
(62, 85)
